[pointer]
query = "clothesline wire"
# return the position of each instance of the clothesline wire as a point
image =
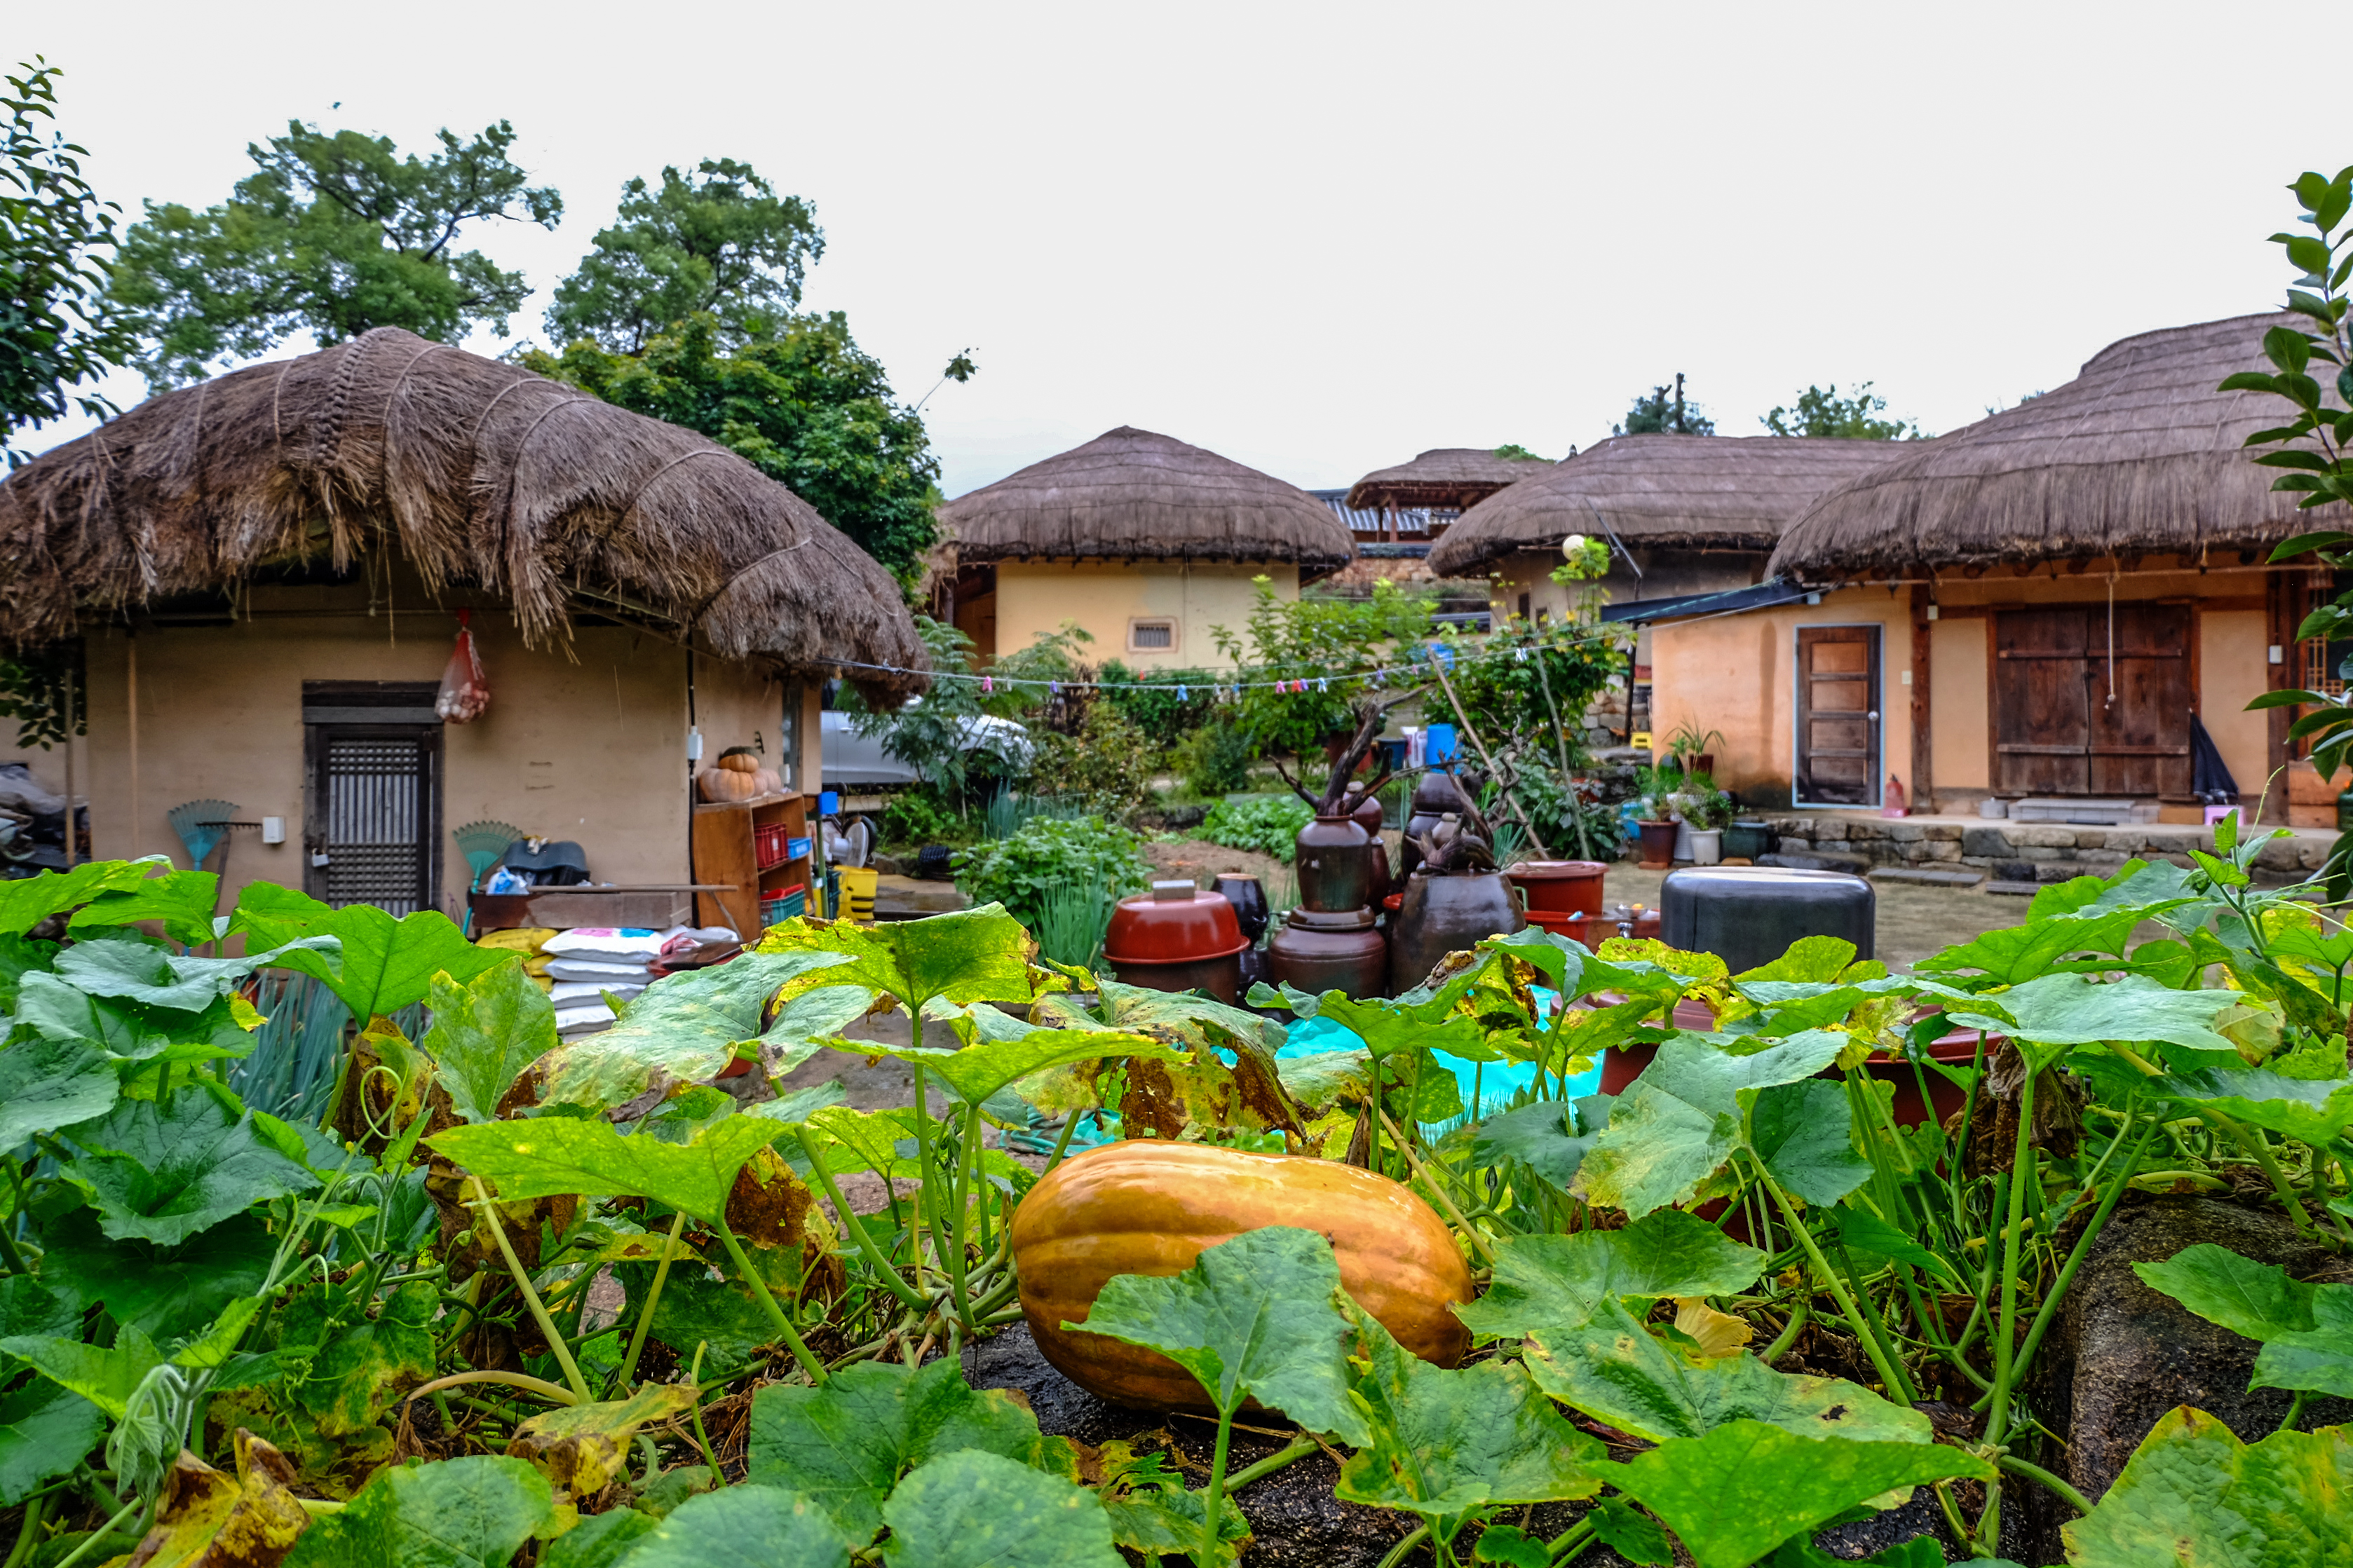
(1379, 673)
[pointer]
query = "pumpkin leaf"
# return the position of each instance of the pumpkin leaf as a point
(130, 969)
(1258, 1316)
(1616, 1371)
(580, 1447)
(1554, 1281)
(1444, 1442)
(1804, 1134)
(27, 903)
(748, 1526)
(45, 1431)
(1631, 1533)
(979, 1070)
(600, 1541)
(105, 1375)
(165, 1291)
(549, 1156)
(2314, 1111)
(1571, 968)
(46, 1084)
(183, 900)
(1738, 1492)
(474, 1512)
(973, 1509)
(1681, 1119)
(1865, 1232)
(1175, 1017)
(226, 1519)
(847, 1445)
(383, 965)
(972, 955)
(2193, 1494)
(2079, 1010)
(2257, 1299)
(163, 1170)
(1168, 1523)
(683, 1028)
(1546, 1136)
(485, 1031)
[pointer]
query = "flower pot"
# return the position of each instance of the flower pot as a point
(1658, 844)
(1444, 914)
(1621, 1065)
(1707, 845)
(1747, 840)
(1559, 886)
(1334, 873)
(1683, 850)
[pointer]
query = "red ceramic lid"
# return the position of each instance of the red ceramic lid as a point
(1145, 929)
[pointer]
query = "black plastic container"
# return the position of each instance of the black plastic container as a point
(1748, 915)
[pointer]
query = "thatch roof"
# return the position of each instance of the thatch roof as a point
(2137, 455)
(483, 473)
(1130, 495)
(1456, 477)
(1691, 492)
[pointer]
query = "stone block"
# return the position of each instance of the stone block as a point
(2010, 871)
(2042, 834)
(2311, 855)
(1860, 832)
(1827, 830)
(2279, 855)
(1987, 841)
(2056, 870)
(1902, 833)
(1933, 849)
(2031, 852)
(1943, 832)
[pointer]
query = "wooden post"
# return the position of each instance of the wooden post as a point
(2280, 597)
(1924, 750)
(132, 667)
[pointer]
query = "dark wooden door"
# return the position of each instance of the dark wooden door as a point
(2042, 710)
(1838, 716)
(2076, 711)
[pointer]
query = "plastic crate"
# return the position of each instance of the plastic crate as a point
(796, 849)
(784, 905)
(769, 841)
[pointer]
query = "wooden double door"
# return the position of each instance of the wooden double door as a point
(2080, 710)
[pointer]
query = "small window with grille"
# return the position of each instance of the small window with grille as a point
(1152, 635)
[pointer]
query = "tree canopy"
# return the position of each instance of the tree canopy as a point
(1662, 410)
(805, 406)
(720, 241)
(332, 234)
(1821, 411)
(57, 328)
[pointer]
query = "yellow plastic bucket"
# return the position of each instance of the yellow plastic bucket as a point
(857, 893)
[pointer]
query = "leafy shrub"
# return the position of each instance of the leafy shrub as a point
(1214, 759)
(1022, 872)
(1155, 706)
(917, 816)
(1268, 824)
(1107, 765)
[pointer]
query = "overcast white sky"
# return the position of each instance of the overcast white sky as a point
(1319, 238)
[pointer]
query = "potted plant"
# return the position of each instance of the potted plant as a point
(1691, 748)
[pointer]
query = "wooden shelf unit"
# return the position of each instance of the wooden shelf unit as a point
(726, 851)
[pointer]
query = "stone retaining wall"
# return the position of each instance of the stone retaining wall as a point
(2024, 851)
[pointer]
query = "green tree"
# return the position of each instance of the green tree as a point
(1319, 639)
(57, 328)
(807, 407)
(333, 233)
(1662, 410)
(721, 241)
(1821, 411)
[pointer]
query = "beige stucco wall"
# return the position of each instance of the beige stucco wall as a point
(1959, 691)
(588, 747)
(1665, 574)
(1736, 673)
(1733, 673)
(1036, 596)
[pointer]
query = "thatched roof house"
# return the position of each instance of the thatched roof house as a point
(1674, 492)
(474, 473)
(2048, 603)
(262, 575)
(1133, 495)
(1144, 541)
(1445, 477)
(2139, 455)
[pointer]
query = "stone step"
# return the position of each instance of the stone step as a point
(2014, 890)
(1921, 875)
(1816, 861)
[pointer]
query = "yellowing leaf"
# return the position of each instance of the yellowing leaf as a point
(579, 1448)
(1716, 1333)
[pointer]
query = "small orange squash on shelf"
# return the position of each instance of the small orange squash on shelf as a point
(726, 783)
(1149, 1207)
(740, 759)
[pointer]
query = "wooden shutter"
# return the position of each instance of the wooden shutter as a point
(2057, 729)
(1838, 716)
(2042, 712)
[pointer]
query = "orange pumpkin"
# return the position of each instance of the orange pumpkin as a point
(740, 759)
(1148, 1206)
(770, 781)
(726, 783)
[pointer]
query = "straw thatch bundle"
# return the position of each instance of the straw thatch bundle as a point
(484, 473)
(1688, 492)
(2137, 455)
(1131, 495)
(1455, 477)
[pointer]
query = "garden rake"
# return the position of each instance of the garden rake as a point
(481, 842)
(201, 824)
